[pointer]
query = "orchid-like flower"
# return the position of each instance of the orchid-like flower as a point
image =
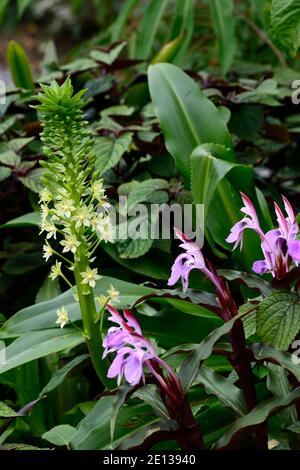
(134, 351)
(279, 246)
(194, 259)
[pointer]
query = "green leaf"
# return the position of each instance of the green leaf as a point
(10, 158)
(250, 280)
(22, 5)
(27, 220)
(4, 173)
(186, 116)
(108, 57)
(226, 391)
(258, 415)
(278, 318)
(279, 386)
(7, 124)
(150, 395)
(60, 435)
(48, 290)
(93, 432)
(38, 344)
(33, 181)
(246, 121)
(6, 411)
(123, 13)
(223, 20)
(284, 24)
(109, 150)
(80, 65)
(191, 364)
(19, 66)
(43, 316)
(265, 352)
(149, 26)
(59, 375)
(133, 248)
(120, 398)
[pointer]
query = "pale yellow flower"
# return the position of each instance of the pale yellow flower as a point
(113, 293)
(55, 270)
(70, 244)
(90, 276)
(45, 195)
(62, 316)
(47, 251)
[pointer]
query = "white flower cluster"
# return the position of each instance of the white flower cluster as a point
(74, 217)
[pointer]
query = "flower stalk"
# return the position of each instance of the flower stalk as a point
(73, 203)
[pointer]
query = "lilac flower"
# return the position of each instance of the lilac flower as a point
(133, 352)
(194, 259)
(279, 246)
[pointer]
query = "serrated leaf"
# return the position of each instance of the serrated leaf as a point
(278, 318)
(142, 191)
(284, 24)
(108, 150)
(60, 435)
(131, 248)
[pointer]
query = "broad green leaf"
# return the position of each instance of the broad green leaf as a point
(148, 27)
(43, 316)
(257, 416)
(278, 318)
(141, 191)
(36, 344)
(265, 352)
(150, 395)
(48, 290)
(19, 66)
(59, 375)
(60, 435)
(19, 143)
(3, 7)
(27, 220)
(109, 150)
(223, 20)
(10, 158)
(191, 364)
(226, 391)
(186, 116)
(147, 265)
(93, 432)
(120, 398)
(283, 19)
(4, 173)
(250, 280)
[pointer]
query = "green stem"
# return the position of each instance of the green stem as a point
(90, 319)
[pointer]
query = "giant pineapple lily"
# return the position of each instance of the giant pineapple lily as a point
(73, 203)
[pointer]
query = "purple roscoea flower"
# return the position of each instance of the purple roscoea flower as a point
(194, 259)
(134, 351)
(279, 245)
